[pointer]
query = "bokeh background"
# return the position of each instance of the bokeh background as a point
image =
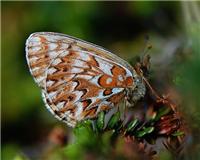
(173, 28)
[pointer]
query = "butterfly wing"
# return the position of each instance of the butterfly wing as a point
(78, 79)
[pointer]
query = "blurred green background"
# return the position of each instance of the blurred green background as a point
(173, 28)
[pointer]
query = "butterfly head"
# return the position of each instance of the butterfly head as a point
(136, 92)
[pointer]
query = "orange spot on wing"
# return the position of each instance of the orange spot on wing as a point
(92, 89)
(103, 81)
(117, 70)
(116, 98)
(129, 81)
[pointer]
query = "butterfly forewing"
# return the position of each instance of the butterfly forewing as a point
(77, 79)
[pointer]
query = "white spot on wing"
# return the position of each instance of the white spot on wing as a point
(104, 66)
(56, 61)
(35, 69)
(73, 85)
(52, 38)
(108, 80)
(35, 49)
(50, 83)
(52, 95)
(80, 63)
(64, 46)
(60, 105)
(117, 90)
(33, 59)
(64, 53)
(52, 46)
(34, 43)
(84, 76)
(53, 54)
(78, 95)
(128, 73)
(120, 78)
(114, 91)
(95, 79)
(79, 110)
(84, 56)
(76, 70)
(51, 70)
(101, 96)
(40, 79)
(35, 39)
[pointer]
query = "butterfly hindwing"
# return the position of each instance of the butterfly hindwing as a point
(77, 79)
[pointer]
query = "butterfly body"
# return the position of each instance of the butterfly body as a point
(79, 79)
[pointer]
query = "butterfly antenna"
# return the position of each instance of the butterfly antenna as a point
(145, 66)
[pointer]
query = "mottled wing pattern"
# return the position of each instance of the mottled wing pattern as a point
(77, 79)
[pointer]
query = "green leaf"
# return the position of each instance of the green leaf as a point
(162, 111)
(144, 131)
(178, 133)
(74, 151)
(118, 126)
(113, 121)
(83, 131)
(100, 121)
(132, 125)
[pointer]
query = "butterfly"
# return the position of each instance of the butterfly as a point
(79, 79)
